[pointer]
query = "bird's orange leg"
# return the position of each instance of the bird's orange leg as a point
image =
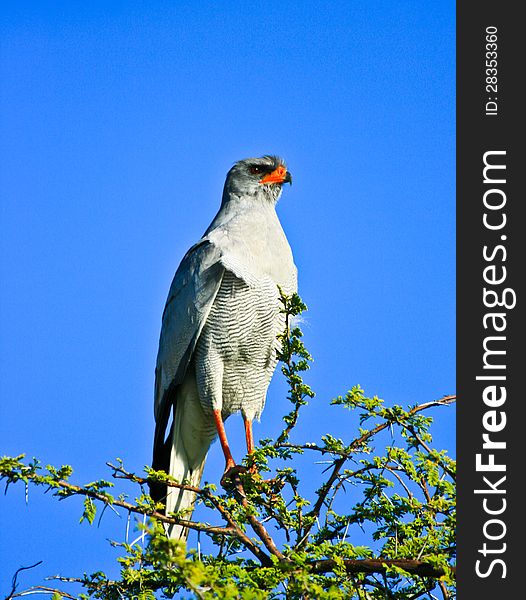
(230, 467)
(250, 441)
(220, 426)
(249, 436)
(250, 448)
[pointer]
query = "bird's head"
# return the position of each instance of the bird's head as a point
(261, 177)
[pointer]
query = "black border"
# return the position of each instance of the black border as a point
(477, 133)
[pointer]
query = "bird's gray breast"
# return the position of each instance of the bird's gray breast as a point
(236, 352)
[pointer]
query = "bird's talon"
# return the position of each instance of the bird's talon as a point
(232, 471)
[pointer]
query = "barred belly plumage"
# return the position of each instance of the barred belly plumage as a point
(236, 352)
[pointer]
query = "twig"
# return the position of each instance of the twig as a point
(443, 589)
(400, 480)
(257, 526)
(14, 580)
(284, 435)
(428, 450)
(41, 589)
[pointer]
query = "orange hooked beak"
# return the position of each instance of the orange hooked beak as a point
(279, 175)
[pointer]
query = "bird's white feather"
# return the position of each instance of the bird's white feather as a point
(192, 435)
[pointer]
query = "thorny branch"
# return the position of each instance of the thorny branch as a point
(355, 445)
(369, 565)
(257, 526)
(233, 528)
(292, 346)
(14, 580)
(251, 503)
(42, 589)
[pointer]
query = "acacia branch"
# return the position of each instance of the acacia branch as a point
(443, 589)
(357, 442)
(235, 519)
(233, 528)
(292, 346)
(288, 361)
(428, 450)
(284, 435)
(41, 589)
(257, 526)
(106, 499)
(380, 565)
(355, 445)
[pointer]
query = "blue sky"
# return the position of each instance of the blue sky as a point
(119, 121)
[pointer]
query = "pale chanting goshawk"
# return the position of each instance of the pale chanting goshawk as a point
(217, 349)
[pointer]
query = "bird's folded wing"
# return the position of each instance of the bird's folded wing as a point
(190, 299)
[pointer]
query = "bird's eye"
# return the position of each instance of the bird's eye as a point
(255, 170)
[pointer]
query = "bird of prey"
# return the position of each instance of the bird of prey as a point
(217, 349)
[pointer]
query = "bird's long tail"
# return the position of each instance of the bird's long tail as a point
(192, 434)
